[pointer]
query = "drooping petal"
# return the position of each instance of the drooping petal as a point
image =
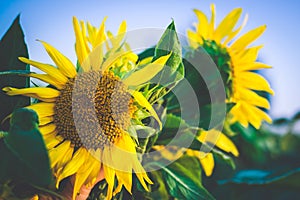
(206, 160)
(219, 139)
(142, 101)
(41, 93)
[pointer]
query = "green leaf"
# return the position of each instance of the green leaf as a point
(146, 53)
(12, 45)
(25, 142)
(174, 70)
(183, 179)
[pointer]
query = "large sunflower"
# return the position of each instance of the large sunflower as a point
(85, 114)
(236, 62)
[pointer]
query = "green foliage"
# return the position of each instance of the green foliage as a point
(182, 179)
(26, 158)
(12, 46)
(173, 72)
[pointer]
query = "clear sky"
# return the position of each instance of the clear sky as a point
(51, 21)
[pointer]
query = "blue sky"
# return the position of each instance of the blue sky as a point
(51, 21)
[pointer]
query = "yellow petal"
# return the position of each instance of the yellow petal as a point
(73, 165)
(251, 66)
(250, 97)
(246, 56)
(90, 181)
(57, 153)
(94, 60)
(142, 101)
(62, 62)
(43, 109)
(147, 73)
(124, 178)
(51, 140)
(67, 157)
(194, 39)
(80, 46)
(238, 115)
(206, 160)
(46, 120)
(235, 32)
(44, 94)
(109, 172)
(212, 21)
(83, 173)
(122, 27)
(227, 24)
(47, 129)
(207, 163)
(253, 119)
(50, 70)
(101, 36)
(263, 115)
(247, 38)
(219, 139)
(112, 59)
(253, 81)
(48, 79)
(202, 28)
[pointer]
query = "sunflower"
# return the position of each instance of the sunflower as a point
(237, 63)
(85, 114)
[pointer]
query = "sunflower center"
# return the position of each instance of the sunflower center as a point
(93, 110)
(222, 59)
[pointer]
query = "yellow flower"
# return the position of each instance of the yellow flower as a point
(236, 62)
(84, 116)
(206, 159)
(212, 137)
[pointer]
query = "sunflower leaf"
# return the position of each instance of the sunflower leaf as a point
(183, 179)
(173, 71)
(12, 45)
(169, 42)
